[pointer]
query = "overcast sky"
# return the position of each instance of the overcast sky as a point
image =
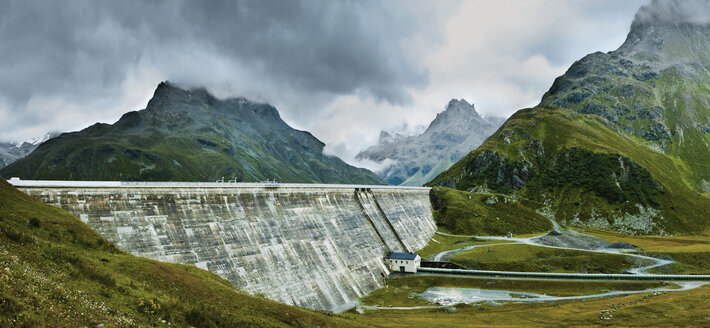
(343, 70)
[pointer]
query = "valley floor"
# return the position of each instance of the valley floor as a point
(427, 299)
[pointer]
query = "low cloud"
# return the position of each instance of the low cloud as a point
(675, 12)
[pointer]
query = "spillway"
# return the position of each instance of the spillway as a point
(316, 246)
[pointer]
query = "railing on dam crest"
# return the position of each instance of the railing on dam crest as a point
(150, 184)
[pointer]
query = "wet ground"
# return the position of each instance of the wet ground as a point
(450, 296)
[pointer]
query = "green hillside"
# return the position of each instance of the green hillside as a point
(584, 173)
(654, 87)
(466, 213)
(189, 135)
(56, 272)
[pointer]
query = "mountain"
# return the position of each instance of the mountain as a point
(189, 135)
(654, 88)
(11, 152)
(417, 159)
(620, 141)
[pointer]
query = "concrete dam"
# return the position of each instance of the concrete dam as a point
(316, 246)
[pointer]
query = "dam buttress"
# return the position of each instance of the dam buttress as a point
(316, 246)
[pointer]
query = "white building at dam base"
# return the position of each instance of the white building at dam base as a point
(404, 262)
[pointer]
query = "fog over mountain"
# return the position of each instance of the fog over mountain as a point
(674, 12)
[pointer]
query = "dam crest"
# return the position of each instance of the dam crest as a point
(312, 245)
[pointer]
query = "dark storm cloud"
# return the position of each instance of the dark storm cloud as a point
(336, 46)
(84, 50)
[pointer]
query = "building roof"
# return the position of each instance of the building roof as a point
(403, 256)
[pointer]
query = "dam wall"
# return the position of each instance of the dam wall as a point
(316, 246)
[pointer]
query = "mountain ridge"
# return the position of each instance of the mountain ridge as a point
(190, 135)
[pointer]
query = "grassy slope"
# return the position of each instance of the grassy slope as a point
(461, 212)
(55, 271)
(541, 259)
(440, 243)
(558, 130)
(691, 252)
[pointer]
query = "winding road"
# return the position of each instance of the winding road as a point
(533, 241)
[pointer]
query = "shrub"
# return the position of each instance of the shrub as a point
(148, 306)
(34, 222)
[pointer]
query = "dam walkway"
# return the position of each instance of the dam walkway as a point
(17, 182)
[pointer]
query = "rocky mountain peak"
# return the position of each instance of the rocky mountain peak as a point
(385, 137)
(458, 113)
(654, 86)
(460, 107)
(668, 33)
(168, 96)
(12, 152)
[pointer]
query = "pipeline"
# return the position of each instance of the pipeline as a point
(573, 276)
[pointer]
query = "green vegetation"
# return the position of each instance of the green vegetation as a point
(532, 155)
(440, 243)
(467, 213)
(56, 272)
(595, 173)
(688, 263)
(398, 290)
(542, 259)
